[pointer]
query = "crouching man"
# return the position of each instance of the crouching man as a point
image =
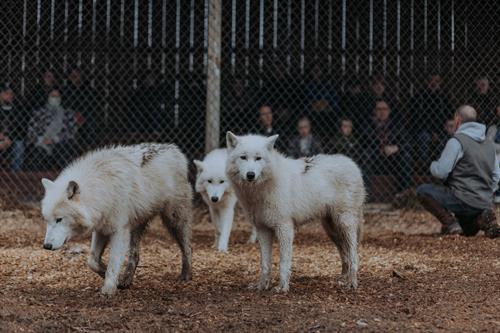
(469, 168)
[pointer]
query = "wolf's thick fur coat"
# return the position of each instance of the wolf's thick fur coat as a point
(114, 193)
(284, 192)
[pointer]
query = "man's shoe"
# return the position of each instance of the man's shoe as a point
(487, 221)
(452, 229)
(449, 222)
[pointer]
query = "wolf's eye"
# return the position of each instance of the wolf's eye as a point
(243, 157)
(258, 158)
(221, 182)
(59, 219)
(210, 181)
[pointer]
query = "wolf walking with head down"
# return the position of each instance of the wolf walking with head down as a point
(277, 192)
(114, 193)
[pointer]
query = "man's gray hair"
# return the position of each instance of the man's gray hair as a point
(467, 113)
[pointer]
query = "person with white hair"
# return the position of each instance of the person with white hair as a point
(470, 171)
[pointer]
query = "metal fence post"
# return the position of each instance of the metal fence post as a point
(212, 127)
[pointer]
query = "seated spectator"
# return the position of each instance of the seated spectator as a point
(377, 89)
(483, 101)
(81, 98)
(344, 142)
(355, 105)
(428, 110)
(237, 97)
(387, 151)
(13, 124)
(304, 144)
(40, 93)
(266, 126)
(147, 108)
(447, 133)
(51, 134)
(322, 102)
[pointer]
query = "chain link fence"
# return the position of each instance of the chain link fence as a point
(376, 80)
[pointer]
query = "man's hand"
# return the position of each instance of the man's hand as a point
(47, 142)
(390, 150)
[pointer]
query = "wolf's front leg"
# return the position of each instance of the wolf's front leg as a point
(119, 244)
(214, 218)
(225, 225)
(97, 246)
(265, 237)
(284, 234)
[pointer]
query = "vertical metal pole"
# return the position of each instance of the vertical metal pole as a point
(212, 127)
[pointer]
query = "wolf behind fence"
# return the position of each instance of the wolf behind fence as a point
(277, 192)
(115, 193)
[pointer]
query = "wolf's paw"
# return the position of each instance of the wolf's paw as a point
(108, 290)
(346, 283)
(222, 249)
(342, 280)
(125, 282)
(260, 286)
(97, 266)
(282, 289)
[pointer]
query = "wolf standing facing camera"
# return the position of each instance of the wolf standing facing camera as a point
(214, 187)
(277, 192)
(115, 193)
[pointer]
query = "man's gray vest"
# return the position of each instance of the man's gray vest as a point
(472, 178)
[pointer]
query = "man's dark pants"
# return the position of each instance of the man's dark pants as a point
(464, 213)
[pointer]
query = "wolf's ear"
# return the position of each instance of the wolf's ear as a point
(231, 140)
(47, 183)
(73, 190)
(199, 165)
(271, 141)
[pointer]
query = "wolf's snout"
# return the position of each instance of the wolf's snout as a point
(250, 175)
(214, 198)
(47, 246)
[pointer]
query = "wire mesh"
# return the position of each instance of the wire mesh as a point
(376, 80)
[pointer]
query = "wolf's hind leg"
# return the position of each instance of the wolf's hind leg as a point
(343, 230)
(97, 246)
(133, 256)
(177, 220)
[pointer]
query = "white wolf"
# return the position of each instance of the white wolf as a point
(278, 192)
(214, 187)
(114, 193)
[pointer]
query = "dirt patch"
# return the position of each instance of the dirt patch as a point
(410, 280)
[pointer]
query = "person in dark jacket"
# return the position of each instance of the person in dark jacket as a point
(304, 144)
(322, 102)
(267, 126)
(40, 93)
(483, 101)
(13, 127)
(81, 98)
(345, 142)
(429, 109)
(387, 150)
(469, 168)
